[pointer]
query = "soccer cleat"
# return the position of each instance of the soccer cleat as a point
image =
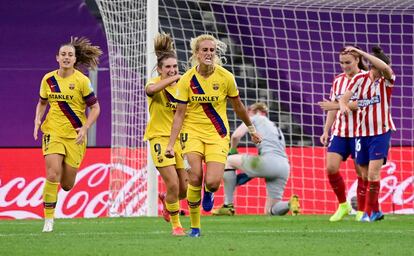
(48, 227)
(165, 213)
(365, 218)
(242, 179)
(178, 231)
(376, 216)
(359, 215)
(294, 205)
(194, 232)
(225, 210)
(208, 200)
(343, 210)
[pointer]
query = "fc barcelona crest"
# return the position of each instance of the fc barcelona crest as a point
(215, 86)
(71, 86)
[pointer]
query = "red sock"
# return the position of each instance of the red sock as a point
(372, 199)
(338, 186)
(361, 193)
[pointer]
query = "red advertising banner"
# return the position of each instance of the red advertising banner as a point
(22, 174)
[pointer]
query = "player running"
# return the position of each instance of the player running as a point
(69, 93)
(161, 109)
(202, 95)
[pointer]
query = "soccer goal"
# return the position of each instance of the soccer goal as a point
(283, 53)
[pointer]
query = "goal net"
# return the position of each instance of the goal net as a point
(283, 53)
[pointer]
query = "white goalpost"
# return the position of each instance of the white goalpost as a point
(284, 53)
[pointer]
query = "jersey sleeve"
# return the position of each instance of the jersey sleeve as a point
(181, 93)
(332, 96)
(43, 89)
(232, 90)
(390, 82)
(88, 93)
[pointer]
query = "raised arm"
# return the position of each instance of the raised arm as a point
(151, 89)
(376, 62)
(176, 128)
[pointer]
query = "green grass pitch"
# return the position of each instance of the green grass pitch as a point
(237, 235)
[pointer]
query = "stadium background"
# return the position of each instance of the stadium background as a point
(28, 52)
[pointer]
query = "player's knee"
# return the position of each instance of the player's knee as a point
(52, 175)
(66, 187)
(213, 186)
(183, 193)
(331, 168)
(172, 189)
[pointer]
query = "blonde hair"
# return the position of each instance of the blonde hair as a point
(195, 46)
(87, 55)
(164, 48)
(259, 106)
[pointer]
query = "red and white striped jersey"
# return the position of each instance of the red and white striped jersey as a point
(344, 125)
(374, 104)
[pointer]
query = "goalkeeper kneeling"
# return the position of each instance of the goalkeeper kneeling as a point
(271, 164)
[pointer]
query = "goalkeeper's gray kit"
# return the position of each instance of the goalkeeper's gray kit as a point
(272, 162)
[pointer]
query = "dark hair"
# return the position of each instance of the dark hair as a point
(87, 55)
(379, 53)
(164, 48)
(361, 64)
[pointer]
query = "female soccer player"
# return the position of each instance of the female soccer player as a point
(374, 122)
(342, 142)
(205, 135)
(272, 164)
(68, 92)
(161, 108)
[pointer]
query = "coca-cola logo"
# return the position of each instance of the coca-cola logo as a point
(392, 190)
(90, 197)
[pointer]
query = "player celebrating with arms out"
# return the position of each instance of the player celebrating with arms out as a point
(342, 142)
(68, 92)
(272, 164)
(374, 122)
(161, 106)
(202, 95)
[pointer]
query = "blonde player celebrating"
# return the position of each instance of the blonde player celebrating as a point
(374, 122)
(68, 92)
(272, 164)
(342, 142)
(205, 89)
(161, 108)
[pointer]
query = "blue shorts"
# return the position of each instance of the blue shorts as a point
(372, 148)
(343, 146)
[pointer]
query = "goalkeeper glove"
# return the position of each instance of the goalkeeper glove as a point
(233, 151)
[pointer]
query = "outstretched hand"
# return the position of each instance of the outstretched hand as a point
(328, 105)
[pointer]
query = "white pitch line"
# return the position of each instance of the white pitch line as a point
(282, 231)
